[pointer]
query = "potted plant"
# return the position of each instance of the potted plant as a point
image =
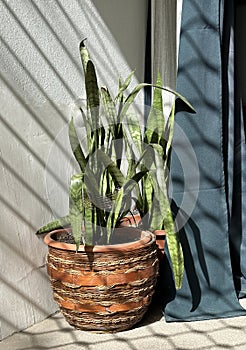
(154, 209)
(103, 275)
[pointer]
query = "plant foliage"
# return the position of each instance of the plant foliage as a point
(108, 188)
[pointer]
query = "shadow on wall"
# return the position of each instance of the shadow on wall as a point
(40, 78)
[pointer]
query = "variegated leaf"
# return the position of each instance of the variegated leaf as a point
(55, 225)
(123, 86)
(92, 93)
(75, 145)
(84, 54)
(76, 208)
(164, 210)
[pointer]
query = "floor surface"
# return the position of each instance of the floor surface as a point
(153, 333)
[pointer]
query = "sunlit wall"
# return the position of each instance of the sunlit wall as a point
(40, 78)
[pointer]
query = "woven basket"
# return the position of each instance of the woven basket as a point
(103, 288)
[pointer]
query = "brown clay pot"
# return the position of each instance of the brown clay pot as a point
(130, 220)
(103, 288)
(160, 241)
(159, 234)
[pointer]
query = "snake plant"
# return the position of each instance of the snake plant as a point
(119, 173)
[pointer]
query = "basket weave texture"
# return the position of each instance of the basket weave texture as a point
(103, 291)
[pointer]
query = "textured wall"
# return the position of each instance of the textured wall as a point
(40, 77)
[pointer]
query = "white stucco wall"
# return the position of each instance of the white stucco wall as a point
(40, 76)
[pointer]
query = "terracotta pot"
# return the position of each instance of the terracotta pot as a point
(130, 220)
(133, 220)
(103, 288)
(160, 241)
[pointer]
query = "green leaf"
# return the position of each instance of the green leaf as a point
(88, 127)
(157, 148)
(76, 224)
(157, 98)
(111, 115)
(88, 216)
(109, 106)
(84, 54)
(113, 170)
(133, 127)
(120, 83)
(147, 198)
(75, 208)
(164, 214)
(75, 145)
(115, 213)
(55, 225)
(156, 120)
(123, 86)
(92, 93)
(122, 199)
(169, 131)
(131, 97)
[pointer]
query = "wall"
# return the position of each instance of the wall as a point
(40, 78)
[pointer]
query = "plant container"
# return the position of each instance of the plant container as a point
(103, 288)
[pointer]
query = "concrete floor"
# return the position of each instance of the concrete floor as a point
(153, 333)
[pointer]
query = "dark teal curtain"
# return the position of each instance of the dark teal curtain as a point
(208, 188)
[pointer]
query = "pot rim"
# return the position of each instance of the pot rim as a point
(147, 238)
(159, 233)
(136, 218)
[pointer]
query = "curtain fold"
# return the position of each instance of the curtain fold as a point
(211, 219)
(163, 52)
(236, 167)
